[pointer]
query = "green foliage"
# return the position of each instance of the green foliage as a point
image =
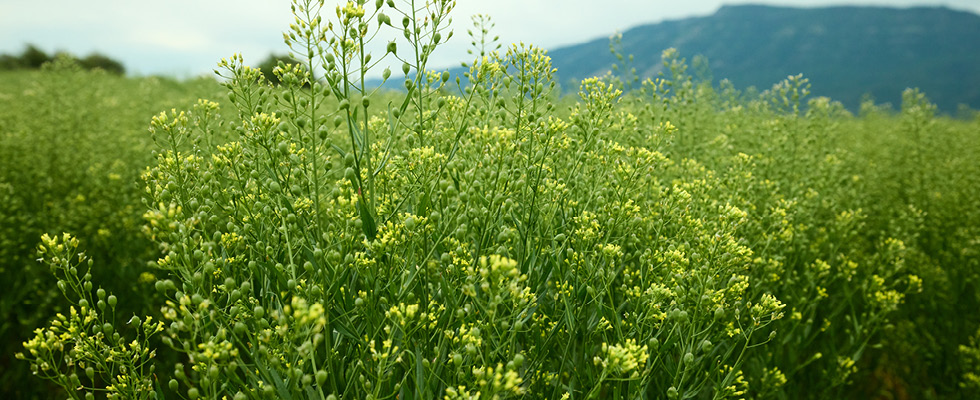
(34, 58)
(320, 239)
(99, 61)
(268, 65)
(72, 144)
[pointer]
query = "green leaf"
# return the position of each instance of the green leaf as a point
(419, 374)
(368, 225)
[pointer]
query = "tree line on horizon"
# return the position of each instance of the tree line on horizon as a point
(33, 58)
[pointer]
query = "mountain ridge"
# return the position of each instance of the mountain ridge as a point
(845, 51)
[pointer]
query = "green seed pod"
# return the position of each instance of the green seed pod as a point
(344, 104)
(689, 357)
(112, 300)
(350, 174)
(259, 312)
(240, 396)
(333, 257)
(193, 393)
(321, 376)
(518, 359)
(366, 102)
(173, 385)
(406, 68)
(436, 38)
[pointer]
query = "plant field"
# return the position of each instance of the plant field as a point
(478, 238)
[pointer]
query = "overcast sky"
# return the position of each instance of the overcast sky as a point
(187, 37)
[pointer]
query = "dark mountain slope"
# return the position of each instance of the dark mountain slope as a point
(844, 51)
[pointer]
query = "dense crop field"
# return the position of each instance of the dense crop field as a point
(480, 239)
(72, 147)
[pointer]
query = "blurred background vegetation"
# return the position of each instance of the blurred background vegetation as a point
(33, 58)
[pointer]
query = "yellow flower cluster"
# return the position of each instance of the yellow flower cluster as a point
(627, 358)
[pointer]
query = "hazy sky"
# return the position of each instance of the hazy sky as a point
(188, 37)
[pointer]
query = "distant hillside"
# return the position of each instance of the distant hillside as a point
(844, 51)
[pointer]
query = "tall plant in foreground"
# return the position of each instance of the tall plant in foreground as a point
(348, 243)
